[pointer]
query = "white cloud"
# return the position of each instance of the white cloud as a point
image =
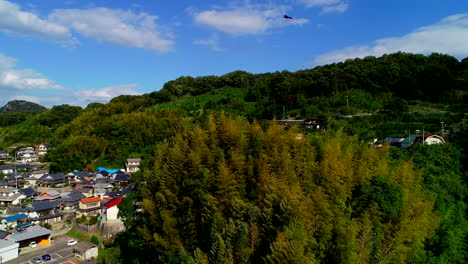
(212, 43)
(115, 26)
(449, 36)
(245, 20)
(13, 20)
(105, 94)
(328, 6)
(339, 8)
(24, 79)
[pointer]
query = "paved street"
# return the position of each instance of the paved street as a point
(58, 250)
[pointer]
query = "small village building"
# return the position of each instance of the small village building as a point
(13, 221)
(132, 165)
(28, 192)
(10, 196)
(50, 180)
(36, 233)
(89, 207)
(48, 196)
(121, 178)
(8, 250)
(85, 250)
(26, 155)
(4, 155)
(7, 169)
(111, 209)
(44, 212)
(41, 149)
(72, 200)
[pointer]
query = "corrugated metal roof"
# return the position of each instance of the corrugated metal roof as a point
(31, 234)
(15, 217)
(116, 201)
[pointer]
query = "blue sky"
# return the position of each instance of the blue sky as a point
(76, 52)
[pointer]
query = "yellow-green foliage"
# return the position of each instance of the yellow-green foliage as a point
(232, 192)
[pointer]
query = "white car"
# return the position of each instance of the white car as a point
(33, 244)
(72, 242)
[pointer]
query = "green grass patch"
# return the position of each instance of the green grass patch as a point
(79, 235)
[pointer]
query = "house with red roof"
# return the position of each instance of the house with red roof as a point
(89, 207)
(111, 209)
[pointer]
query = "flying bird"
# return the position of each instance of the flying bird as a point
(287, 17)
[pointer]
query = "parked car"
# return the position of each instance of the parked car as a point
(46, 257)
(72, 242)
(33, 244)
(37, 260)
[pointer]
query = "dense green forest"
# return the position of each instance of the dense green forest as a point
(223, 183)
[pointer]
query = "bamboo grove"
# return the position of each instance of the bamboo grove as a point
(232, 191)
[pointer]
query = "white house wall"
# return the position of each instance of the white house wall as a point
(9, 252)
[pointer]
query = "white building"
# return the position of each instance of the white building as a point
(112, 209)
(8, 250)
(132, 165)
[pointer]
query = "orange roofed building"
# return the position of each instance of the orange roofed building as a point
(89, 207)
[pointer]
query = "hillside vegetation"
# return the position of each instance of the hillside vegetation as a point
(223, 183)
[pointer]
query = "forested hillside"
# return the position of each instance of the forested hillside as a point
(230, 191)
(222, 182)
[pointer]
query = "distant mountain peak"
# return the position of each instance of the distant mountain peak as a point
(22, 106)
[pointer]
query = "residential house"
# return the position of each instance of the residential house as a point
(120, 178)
(26, 155)
(101, 188)
(13, 221)
(51, 180)
(7, 169)
(89, 207)
(132, 165)
(16, 179)
(10, 196)
(48, 196)
(4, 155)
(41, 149)
(28, 192)
(8, 250)
(85, 250)
(44, 212)
(72, 200)
(88, 192)
(111, 209)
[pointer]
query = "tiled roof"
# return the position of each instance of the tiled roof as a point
(40, 206)
(90, 200)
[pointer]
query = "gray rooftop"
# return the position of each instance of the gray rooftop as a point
(30, 234)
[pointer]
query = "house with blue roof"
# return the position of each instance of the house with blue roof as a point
(13, 221)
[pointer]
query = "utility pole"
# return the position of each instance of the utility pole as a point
(284, 113)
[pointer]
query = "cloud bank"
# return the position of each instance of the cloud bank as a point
(14, 20)
(449, 36)
(115, 26)
(120, 27)
(246, 20)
